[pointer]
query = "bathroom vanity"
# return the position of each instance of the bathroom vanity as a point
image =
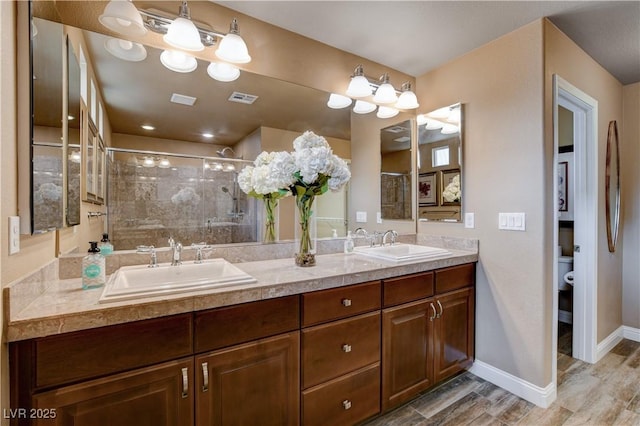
(332, 346)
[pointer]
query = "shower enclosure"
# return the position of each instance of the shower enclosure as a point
(152, 196)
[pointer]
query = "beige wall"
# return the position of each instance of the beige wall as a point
(564, 58)
(630, 159)
(500, 85)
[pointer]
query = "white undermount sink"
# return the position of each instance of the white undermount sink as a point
(133, 282)
(402, 252)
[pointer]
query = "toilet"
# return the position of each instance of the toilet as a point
(565, 272)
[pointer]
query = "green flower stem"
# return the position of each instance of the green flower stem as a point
(270, 205)
(304, 203)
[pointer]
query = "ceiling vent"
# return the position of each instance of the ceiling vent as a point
(396, 129)
(242, 98)
(183, 99)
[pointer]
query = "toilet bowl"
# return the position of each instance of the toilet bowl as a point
(565, 273)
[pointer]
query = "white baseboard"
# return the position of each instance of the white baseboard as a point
(565, 316)
(631, 333)
(608, 343)
(542, 397)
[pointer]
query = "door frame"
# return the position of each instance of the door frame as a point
(585, 131)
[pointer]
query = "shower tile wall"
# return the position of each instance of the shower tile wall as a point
(186, 201)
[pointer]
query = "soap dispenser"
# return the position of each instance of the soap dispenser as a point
(106, 247)
(93, 264)
(348, 243)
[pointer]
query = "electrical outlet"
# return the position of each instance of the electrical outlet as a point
(469, 220)
(14, 234)
(378, 217)
(361, 217)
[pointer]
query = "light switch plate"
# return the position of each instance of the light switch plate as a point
(378, 217)
(361, 217)
(14, 234)
(512, 221)
(469, 220)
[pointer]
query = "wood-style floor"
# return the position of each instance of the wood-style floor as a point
(602, 394)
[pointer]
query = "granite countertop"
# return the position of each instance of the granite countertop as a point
(62, 306)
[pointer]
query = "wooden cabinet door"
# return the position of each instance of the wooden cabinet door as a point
(454, 333)
(252, 383)
(407, 367)
(161, 395)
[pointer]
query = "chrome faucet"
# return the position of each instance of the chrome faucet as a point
(176, 253)
(153, 263)
(393, 234)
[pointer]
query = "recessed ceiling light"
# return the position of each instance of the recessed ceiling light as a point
(207, 135)
(148, 127)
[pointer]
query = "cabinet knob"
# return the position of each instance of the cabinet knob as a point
(346, 404)
(346, 348)
(346, 302)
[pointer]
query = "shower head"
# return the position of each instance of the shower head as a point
(224, 153)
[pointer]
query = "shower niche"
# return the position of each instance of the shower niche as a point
(152, 197)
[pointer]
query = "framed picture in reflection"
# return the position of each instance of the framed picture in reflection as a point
(427, 189)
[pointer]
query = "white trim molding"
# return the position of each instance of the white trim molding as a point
(631, 333)
(609, 343)
(542, 397)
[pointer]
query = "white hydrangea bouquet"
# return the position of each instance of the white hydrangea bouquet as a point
(269, 179)
(317, 170)
(451, 193)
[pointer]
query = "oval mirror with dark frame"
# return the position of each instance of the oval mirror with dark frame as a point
(130, 97)
(612, 186)
(439, 166)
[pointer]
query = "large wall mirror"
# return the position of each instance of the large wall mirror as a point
(133, 93)
(440, 164)
(395, 171)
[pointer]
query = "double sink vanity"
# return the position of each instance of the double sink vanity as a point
(268, 343)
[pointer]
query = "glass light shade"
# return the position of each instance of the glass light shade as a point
(449, 129)
(440, 113)
(386, 112)
(432, 124)
(359, 87)
(148, 162)
(338, 101)
(122, 17)
(164, 163)
(178, 61)
(363, 107)
(223, 72)
(421, 119)
(75, 157)
(386, 94)
(232, 48)
(183, 34)
(229, 167)
(407, 100)
(125, 49)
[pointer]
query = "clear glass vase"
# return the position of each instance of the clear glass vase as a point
(270, 220)
(306, 231)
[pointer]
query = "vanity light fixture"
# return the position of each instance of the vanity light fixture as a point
(224, 72)
(164, 163)
(182, 33)
(337, 101)
(407, 99)
(449, 129)
(359, 86)
(386, 93)
(386, 112)
(178, 61)
(232, 48)
(421, 119)
(122, 17)
(125, 50)
(363, 107)
(148, 162)
(432, 124)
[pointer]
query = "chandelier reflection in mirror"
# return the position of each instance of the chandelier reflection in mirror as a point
(180, 33)
(386, 99)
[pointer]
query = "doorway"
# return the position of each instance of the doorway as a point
(583, 111)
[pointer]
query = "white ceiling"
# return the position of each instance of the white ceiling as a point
(415, 37)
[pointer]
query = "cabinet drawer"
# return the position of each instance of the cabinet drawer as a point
(91, 353)
(328, 305)
(407, 289)
(219, 328)
(344, 401)
(455, 277)
(331, 350)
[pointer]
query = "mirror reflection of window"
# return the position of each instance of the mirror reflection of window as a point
(440, 156)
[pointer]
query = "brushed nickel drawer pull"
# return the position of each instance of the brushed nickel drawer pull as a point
(185, 382)
(433, 308)
(346, 404)
(346, 302)
(346, 348)
(205, 376)
(441, 310)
